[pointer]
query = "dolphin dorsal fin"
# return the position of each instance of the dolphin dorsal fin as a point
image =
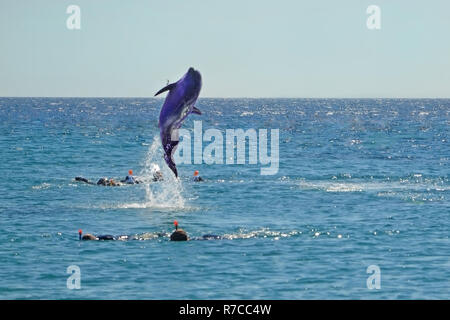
(168, 87)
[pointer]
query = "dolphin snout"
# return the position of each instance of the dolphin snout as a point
(192, 71)
(194, 74)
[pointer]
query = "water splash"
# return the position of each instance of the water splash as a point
(162, 194)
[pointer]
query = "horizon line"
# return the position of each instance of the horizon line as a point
(159, 98)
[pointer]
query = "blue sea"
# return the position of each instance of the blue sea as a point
(361, 182)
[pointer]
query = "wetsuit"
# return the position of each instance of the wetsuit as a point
(130, 180)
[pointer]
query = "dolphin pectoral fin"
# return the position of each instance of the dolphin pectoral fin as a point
(166, 88)
(196, 111)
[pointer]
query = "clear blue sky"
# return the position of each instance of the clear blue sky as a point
(243, 48)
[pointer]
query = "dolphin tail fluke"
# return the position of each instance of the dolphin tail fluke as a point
(169, 149)
(166, 88)
(171, 164)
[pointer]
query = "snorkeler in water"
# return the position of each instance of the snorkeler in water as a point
(130, 179)
(178, 235)
(101, 182)
(157, 176)
(110, 182)
(196, 177)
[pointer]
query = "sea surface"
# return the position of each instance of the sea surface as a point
(361, 182)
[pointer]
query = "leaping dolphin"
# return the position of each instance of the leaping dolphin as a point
(178, 105)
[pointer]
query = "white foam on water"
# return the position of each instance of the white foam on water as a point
(43, 185)
(373, 186)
